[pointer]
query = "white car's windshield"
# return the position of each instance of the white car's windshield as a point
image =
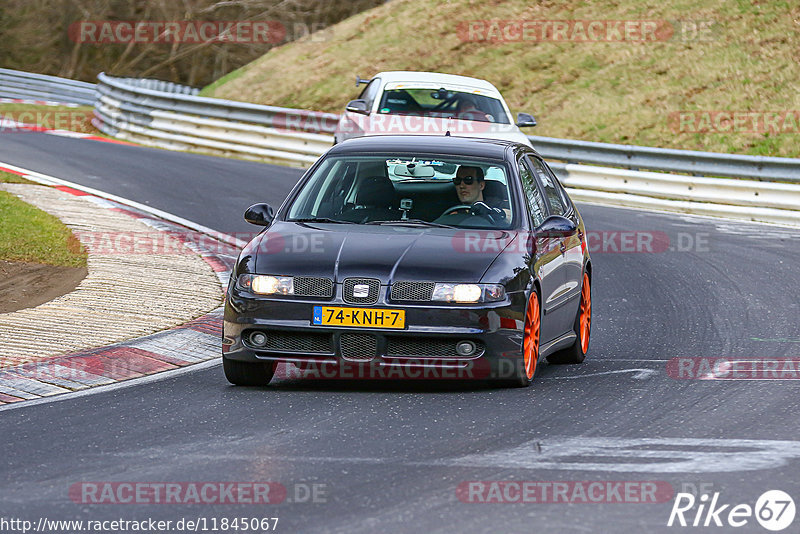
(444, 103)
(450, 191)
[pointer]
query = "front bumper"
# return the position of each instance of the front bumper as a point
(427, 343)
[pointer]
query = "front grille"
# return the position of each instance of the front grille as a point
(358, 347)
(296, 342)
(413, 291)
(308, 286)
(407, 347)
(373, 288)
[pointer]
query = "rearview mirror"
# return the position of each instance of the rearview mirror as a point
(358, 106)
(556, 226)
(260, 214)
(414, 170)
(525, 120)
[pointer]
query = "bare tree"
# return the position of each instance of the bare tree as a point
(35, 35)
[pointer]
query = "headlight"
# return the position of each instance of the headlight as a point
(266, 285)
(468, 293)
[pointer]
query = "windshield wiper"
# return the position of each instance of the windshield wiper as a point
(320, 220)
(413, 222)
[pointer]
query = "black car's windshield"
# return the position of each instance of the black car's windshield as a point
(407, 190)
(444, 103)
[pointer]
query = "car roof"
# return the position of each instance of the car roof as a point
(435, 77)
(427, 144)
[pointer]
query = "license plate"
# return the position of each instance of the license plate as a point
(359, 317)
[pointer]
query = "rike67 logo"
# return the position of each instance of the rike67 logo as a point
(774, 510)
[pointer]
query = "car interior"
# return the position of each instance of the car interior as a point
(441, 103)
(364, 191)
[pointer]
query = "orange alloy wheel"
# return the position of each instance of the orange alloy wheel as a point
(586, 313)
(530, 347)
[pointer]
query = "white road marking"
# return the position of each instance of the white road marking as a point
(643, 455)
(621, 455)
(640, 374)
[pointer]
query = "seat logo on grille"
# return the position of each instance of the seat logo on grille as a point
(360, 290)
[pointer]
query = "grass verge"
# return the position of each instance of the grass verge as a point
(10, 178)
(75, 119)
(30, 235)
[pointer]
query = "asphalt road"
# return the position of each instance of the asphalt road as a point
(389, 455)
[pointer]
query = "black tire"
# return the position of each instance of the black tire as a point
(576, 354)
(248, 373)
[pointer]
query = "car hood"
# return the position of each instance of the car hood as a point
(357, 125)
(387, 253)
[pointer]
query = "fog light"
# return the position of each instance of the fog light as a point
(465, 348)
(259, 339)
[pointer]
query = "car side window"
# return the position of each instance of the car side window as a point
(370, 91)
(551, 191)
(565, 197)
(532, 193)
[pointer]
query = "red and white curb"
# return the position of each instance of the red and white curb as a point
(8, 125)
(192, 343)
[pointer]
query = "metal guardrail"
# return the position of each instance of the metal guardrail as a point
(27, 85)
(134, 110)
(137, 108)
(140, 111)
(749, 200)
(158, 85)
(670, 160)
(172, 116)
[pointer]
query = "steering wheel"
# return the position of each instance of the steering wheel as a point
(466, 208)
(479, 209)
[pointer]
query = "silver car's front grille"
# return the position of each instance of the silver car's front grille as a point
(361, 290)
(412, 291)
(358, 347)
(309, 286)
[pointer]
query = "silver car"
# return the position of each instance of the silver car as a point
(430, 103)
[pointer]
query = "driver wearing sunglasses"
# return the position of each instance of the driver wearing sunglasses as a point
(469, 182)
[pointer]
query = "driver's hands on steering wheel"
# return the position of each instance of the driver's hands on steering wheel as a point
(483, 209)
(480, 209)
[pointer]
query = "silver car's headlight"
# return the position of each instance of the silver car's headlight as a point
(466, 293)
(266, 284)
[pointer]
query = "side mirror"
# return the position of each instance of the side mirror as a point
(525, 120)
(260, 214)
(358, 106)
(556, 226)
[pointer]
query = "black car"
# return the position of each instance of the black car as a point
(385, 261)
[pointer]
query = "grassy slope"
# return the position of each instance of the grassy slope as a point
(28, 234)
(610, 92)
